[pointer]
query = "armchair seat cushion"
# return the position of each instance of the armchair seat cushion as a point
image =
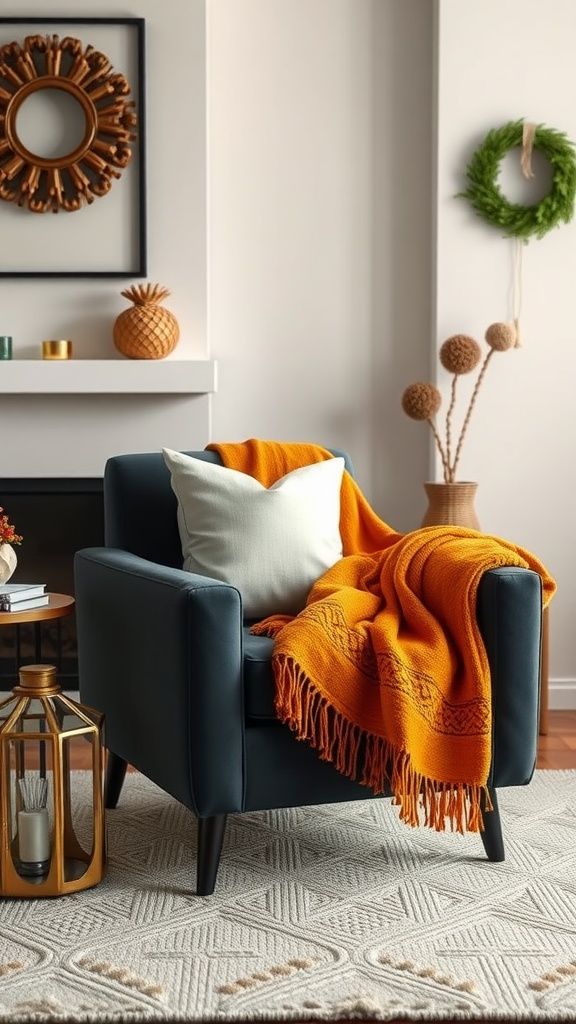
(259, 687)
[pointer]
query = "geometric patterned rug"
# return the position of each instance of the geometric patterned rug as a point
(337, 912)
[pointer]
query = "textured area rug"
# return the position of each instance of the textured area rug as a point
(326, 913)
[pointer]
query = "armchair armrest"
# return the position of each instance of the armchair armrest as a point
(163, 647)
(509, 612)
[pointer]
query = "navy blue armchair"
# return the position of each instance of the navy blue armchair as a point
(188, 693)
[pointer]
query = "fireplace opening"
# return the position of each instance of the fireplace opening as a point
(56, 517)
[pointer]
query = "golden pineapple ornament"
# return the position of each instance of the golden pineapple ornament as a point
(146, 330)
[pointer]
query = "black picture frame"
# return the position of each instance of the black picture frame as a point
(19, 255)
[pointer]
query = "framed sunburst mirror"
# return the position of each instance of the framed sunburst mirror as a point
(72, 144)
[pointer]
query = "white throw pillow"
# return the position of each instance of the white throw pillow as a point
(271, 543)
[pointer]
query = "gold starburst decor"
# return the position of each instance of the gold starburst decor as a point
(68, 182)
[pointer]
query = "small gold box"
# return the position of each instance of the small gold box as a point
(57, 349)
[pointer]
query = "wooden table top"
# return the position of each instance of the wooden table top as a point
(58, 606)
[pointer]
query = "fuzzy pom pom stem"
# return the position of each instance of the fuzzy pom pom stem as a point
(499, 337)
(441, 452)
(451, 408)
(421, 401)
(458, 354)
(468, 415)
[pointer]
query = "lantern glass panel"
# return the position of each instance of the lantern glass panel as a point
(71, 717)
(80, 835)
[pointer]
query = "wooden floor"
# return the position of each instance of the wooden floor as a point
(558, 748)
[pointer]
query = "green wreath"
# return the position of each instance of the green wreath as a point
(491, 204)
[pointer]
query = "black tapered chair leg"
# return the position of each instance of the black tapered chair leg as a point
(115, 774)
(492, 835)
(210, 838)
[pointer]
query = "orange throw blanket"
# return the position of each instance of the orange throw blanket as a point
(386, 664)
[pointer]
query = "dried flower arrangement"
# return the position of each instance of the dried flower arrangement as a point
(459, 354)
(8, 533)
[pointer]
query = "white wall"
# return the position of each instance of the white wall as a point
(520, 445)
(290, 167)
(319, 259)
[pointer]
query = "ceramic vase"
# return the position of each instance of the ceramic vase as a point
(8, 562)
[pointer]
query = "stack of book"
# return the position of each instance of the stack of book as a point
(18, 597)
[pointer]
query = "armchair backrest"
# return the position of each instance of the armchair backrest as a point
(140, 506)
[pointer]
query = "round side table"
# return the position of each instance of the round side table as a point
(59, 605)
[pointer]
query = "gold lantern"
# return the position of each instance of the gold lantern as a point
(53, 838)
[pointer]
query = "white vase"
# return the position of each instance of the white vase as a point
(8, 562)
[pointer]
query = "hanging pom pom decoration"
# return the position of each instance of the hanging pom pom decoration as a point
(516, 221)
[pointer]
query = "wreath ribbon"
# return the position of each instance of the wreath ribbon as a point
(528, 133)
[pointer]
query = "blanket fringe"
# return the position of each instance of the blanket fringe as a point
(420, 800)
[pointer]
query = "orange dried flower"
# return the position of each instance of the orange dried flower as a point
(459, 354)
(501, 336)
(8, 533)
(421, 401)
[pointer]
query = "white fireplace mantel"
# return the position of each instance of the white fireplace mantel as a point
(107, 376)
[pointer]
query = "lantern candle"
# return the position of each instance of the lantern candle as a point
(34, 826)
(34, 841)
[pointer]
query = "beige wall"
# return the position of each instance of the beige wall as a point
(320, 136)
(303, 212)
(500, 61)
